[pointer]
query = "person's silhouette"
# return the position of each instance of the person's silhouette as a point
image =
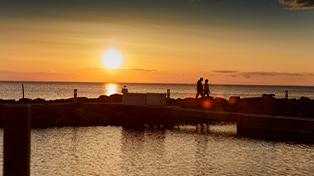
(206, 88)
(199, 88)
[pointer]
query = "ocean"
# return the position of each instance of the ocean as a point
(64, 90)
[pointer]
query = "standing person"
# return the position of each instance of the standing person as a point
(206, 88)
(199, 88)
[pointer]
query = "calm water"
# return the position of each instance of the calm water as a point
(185, 151)
(51, 90)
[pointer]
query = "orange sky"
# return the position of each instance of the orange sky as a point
(161, 42)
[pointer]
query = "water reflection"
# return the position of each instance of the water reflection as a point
(142, 152)
(111, 88)
(202, 167)
(187, 150)
(278, 136)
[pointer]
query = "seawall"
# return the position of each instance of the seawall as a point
(108, 110)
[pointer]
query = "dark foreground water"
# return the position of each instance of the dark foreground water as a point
(63, 90)
(182, 151)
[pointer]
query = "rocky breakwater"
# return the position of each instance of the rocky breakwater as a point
(266, 105)
(63, 112)
(107, 110)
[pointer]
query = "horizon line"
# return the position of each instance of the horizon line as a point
(154, 83)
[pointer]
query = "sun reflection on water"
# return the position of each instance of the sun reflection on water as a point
(111, 88)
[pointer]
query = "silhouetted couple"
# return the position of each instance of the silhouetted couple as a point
(202, 90)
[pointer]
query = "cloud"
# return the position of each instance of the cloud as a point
(38, 73)
(140, 70)
(299, 4)
(122, 69)
(233, 73)
(311, 74)
(232, 76)
(225, 71)
(32, 76)
(90, 68)
(249, 74)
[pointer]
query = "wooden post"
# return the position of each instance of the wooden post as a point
(23, 90)
(16, 140)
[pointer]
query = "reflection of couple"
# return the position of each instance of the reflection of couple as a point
(200, 90)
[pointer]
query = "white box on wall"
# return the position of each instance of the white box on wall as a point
(157, 99)
(134, 99)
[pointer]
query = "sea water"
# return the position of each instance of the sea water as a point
(63, 90)
(185, 150)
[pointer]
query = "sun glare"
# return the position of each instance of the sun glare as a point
(112, 58)
(111, 89)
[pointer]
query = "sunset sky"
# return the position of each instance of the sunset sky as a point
(259, 42)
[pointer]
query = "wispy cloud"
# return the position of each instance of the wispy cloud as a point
(225, 71)
(232, 73)
(39, 73)
(140, 70)
(122, 69)
(299, 4)
(233, 76)
(90, 68)
(13, 75)
(249, 74)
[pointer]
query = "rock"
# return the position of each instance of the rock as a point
(115, 98)
(233, 99)
(172, 102)
(39, 121)
(124, 119)
(98, 118)
(268, 96)
(245, 103)
(232, 107)
(8, 101)
(41, 110)
(219, 104)
(268, 109)
(220, 99)
(25, 100)
(82, 99)
(59, 116)
(191, 103)
(59, 101)
(103, 98)
(39, 100)
(289, 113)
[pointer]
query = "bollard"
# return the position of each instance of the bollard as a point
(168, 93)
(75, 95)
(286, 95)
(124, 91)
(16, 140)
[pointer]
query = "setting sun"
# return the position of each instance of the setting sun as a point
(112, 58)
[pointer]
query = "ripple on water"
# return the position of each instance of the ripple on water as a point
(186, 150)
